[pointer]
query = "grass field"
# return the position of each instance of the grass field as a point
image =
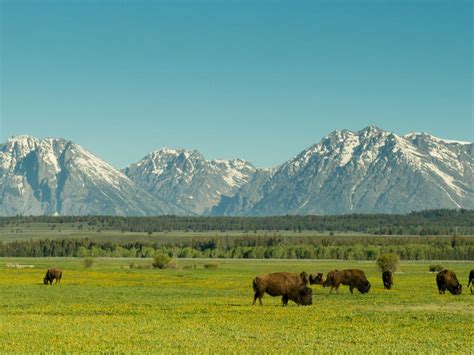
(39, 231)
(110, 307)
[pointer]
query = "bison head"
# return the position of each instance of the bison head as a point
(45, 280)
(330, 278)
(457, 290)
(305, 297)
(364, 287)
(316, 279)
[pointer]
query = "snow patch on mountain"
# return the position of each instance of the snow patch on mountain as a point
(57, 177)
(188, 179)
(368, 171)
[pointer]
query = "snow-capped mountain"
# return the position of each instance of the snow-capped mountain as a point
(55, 176)
(370, 171)
(185, 178)
(245, 197)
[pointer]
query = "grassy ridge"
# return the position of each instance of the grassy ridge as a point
(112, 308)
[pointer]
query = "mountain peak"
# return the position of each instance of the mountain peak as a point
(365, 171)
(426, 136)
(55, 176)
(174, 153)
(186, 177)
(367, 132)
(371, 131)
(21, 137)
(22, 140)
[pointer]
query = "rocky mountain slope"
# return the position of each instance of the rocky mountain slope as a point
(185, 178)
(369, 171)
(55, 176)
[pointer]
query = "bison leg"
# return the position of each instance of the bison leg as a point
(284, 300)
(351, 288)
(255, 296)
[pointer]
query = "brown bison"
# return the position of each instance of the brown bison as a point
(289, 285)
(353, 278)
(471, 280)
(387, 279)
(52, 274)
(447, 280)
(316, 279)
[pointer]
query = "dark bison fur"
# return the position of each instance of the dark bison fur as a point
(471, 280)
(291, 286)
(354, 278)
(387, 278)
(52, 274)
(316, 279)
(447, 280)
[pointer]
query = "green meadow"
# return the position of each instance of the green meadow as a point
(112, 307)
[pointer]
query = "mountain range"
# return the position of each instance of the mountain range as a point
(368, 171)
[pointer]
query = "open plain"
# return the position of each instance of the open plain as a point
(112, 307)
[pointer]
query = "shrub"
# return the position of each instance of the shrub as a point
(388, 262)
(211, 265)
(88, 261)
(161, 261)
(436, 267)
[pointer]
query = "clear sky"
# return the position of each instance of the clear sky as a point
(259, 80)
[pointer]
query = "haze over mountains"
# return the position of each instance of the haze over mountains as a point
(369, 171)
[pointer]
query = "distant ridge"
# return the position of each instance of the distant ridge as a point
(369, 171)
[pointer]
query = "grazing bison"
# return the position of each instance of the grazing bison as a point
(353, 278)
(290, 286)
(387, 279)
(316, 279)
(447, 280)
(52, 274)
(471, 280)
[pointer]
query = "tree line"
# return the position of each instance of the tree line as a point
(254, 247)
(433, 222)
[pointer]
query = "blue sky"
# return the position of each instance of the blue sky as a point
(260, 80)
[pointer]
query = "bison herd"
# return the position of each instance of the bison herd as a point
(294, 286)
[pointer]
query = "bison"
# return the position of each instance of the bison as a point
(387, 279)
(447, 280)
(353, 278)
(290, 286)
(52, 274)
(471, 280)
(316, 279)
